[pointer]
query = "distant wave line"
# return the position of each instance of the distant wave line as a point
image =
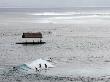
(68, 13)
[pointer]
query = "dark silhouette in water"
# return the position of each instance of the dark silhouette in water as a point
(39, 65)
(45, 65)
(36, 69)
(14, 68)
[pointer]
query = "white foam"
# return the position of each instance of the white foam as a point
(35, 64)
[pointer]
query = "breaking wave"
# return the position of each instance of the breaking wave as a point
(28, 68)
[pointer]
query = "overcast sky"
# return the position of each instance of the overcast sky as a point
(54, 3)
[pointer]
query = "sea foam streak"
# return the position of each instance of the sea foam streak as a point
(68, 13)
(69, 17)
(54, 13)
(73, 19)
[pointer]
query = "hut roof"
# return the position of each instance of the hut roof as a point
(32, 35)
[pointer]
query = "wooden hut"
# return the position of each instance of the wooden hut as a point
(32, 36)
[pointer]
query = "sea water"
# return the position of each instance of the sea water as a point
(77, 41)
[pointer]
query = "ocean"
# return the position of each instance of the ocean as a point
(77, 41)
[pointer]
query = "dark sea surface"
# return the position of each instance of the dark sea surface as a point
(77, 40)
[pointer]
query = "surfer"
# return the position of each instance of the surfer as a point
(45, 65)
(39, 65)
(36, 69)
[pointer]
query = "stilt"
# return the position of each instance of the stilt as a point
(40, 40)
(26, 41)
(33, 41)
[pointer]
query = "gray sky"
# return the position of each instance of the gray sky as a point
(53, 3)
